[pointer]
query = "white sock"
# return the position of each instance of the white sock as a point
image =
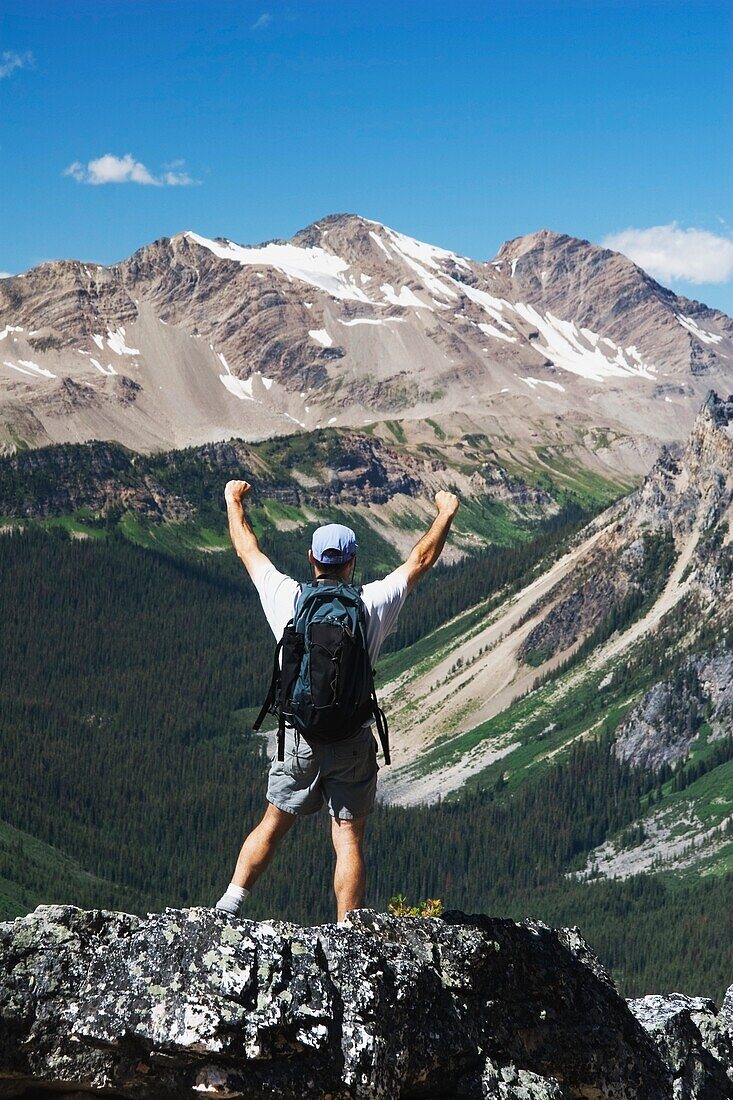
(232, 898)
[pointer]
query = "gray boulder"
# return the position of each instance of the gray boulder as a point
(694, 1039)
(192, 1002)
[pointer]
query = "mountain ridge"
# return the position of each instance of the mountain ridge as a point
(555, 342)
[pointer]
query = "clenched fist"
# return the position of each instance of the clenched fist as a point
(235, 491)
(446, 503)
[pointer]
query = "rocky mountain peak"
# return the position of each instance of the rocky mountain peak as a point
(718, 410)
(351, 321)
(692, 486)
(343, 227)
(541, 239)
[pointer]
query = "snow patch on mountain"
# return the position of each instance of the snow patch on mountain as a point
(321, 337)
(116, 341)
(25, 366)
(14, 366)
(491, 305)
(237, 386)
(8, 329)
(429, 255)
(372, 321)
(419, 257)
(567, 346)
(702, 334)
(573, 349)
(534, 382)
(240, 389)
(380, 243)
(109, 369)
(406, 297)
(492, 330)
(34, 367)
(312, 265)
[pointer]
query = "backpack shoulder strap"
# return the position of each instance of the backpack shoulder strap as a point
(380, 719)
(267, 707)
(376, 712)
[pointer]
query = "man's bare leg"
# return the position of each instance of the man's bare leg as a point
(259, 847)
(255, 856)
(349, 880)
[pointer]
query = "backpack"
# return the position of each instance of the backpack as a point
(324, 685)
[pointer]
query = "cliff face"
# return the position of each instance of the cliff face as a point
(662, 727)
(193, 1002)
(681, 512)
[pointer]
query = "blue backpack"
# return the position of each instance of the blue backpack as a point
(324, 684)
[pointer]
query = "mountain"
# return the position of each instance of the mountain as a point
(557, 350)
(385, 490)
(627, 636)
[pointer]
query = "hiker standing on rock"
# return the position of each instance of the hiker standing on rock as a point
(329, 637)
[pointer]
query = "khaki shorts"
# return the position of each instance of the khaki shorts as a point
(343, 775)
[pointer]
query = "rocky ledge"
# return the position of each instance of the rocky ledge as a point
(191, 1002)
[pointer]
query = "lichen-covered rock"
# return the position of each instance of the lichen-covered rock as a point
(194, 1002)
(694, 1039)
(510, 1083)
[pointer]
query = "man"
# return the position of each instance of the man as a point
(344, 774)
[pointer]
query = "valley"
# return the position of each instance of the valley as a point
(559, 688)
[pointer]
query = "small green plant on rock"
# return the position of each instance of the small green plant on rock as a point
(399, 907)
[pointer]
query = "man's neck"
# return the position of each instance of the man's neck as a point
(334, 578)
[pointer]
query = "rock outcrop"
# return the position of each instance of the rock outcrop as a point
(191, 1002)
(100, 477)
(695, 1040)
(662, 727)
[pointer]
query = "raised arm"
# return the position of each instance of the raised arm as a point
(427, 551)
(243, 537)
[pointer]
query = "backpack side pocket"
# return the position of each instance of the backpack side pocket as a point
(327, 641)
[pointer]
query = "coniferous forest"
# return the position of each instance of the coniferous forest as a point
(130, 776)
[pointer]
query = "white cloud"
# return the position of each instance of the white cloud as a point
(668, 252)
(10, 61)
(6, 275)
(263, 21)
(175, 174)
(112, 169)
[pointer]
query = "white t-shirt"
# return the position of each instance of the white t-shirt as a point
(383, 602)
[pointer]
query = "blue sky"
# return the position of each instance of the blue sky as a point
(463, 124)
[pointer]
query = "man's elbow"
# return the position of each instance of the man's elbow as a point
(418, 566)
